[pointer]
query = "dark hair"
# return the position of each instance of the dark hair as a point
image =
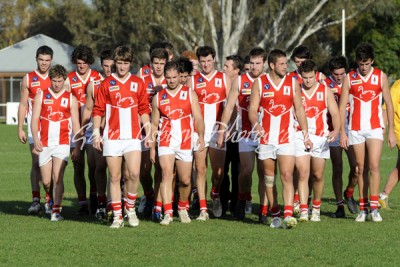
(301, 51)
(339, 62)
(82, 52)
(123, 53)
(364, 51)
(159, 53)
(247, 59)
(106, 55)
(237, 62)
(185, 65)
(57, 71)
(274, 55)
(161, 44)
(258, 52)
(307, 66)
(167, 45)
(171, 65)
(44, 50)
(204, 51)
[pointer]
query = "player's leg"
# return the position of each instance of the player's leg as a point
(217, 161)
(167, 163)
(114, 168)
(147, 183)
(374, 147)
(58, 186)
(352, 181)
(184, 171)
(337, 182)
(200, 159)
(247, 160)
(35, 179)
(101, 184)
(317, 173)
(80, 183)
(91, 162)
(303, 169)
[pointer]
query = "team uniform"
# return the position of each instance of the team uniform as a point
(176, 123)
(35, 84)
(365, 98)
(55, 126)
(121, 102)
(276, 117)
(78, 88)
(316, 110)
(145, 71)
(212, 97)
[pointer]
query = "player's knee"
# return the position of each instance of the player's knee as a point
(269, 181)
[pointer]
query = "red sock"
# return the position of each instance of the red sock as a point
(264, 210)
(203, 204)
(288, 211)
(158, 206)
(36, 196)
(349, 192)
(296, 198)
(56, 209)
(130, 201)
(303, 207)
(48, 197)
(168, 209)
(363, 204)
(181, 205)
(275, 211)
(316, 204)
(117, 209)
(373, 202)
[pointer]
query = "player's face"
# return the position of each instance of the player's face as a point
(158, 66)
(257, 65)
(298, 61)
(183, 77)
(365, 66)
(43, 63)
(57, 83)
(82, 67)
(308, 79)
(229, 69)
(173, 79)
(195, 64)
(107, 66)
(338, 75)
(122, 68)
(207, 64)
(280, 67)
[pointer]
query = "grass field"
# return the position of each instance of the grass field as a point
(35, 241)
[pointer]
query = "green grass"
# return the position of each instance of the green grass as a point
(28, 240)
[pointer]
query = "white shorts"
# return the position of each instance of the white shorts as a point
(320, 146)
(211, 143)
(358, 137)
(117, 148)
(247, 145)
(272, 151)
(60, 152)
(184, 155)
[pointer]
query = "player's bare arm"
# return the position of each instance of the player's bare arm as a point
(344, 98)
(75, 155)
(334, 111)
(301, 116)
(253, 108)
(155, 119)
(392, 140)
(198, 120)
(37, 107)
(87, 111)
(22, 108)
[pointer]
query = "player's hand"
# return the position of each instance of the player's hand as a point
(98, 143)
(200, 144)
(38, 146)
(22, 136)
(220, 139)
(76, 153)
(332, 136)
(344, 141)
(153, 154)
(258, 131)
(392, 140)
(148, 141)
(308, 144)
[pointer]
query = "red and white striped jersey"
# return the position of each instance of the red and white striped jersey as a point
(337, 91)
(121, 102)
(78, 86)
(150, 83)
(35, 83)
(176, 123)
(295, 74)
(365, 97)
(145, 71)
(277, 112)
(55, 118)
(212, 97)
(245, 83)
(316, 109)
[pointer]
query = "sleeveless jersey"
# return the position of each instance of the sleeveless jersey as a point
(316, 109)
(121, 102)
(55, 118)
(150, 83)
(365, 97)
(295, 74)
(176, 123)
(276, 104)
(145, 71)
(78, 86)
(245, 84)
(337, 91)
(212, 96)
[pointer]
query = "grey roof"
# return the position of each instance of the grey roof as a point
(20, 57)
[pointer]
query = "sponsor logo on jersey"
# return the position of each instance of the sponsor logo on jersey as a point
(164, 102)
(246, 84)
(149, 91)
(286, 90)
(48, 96)
(146, 71)
(64, 102)
(114, 88)
(113, 82)
(164, 96)
(35, 84)
(134, 87)
(246, 91)
(201, 85)
(75, 79)
(35, 78)
(354, 75)
(150, 85)
(76, 85)
(320, 96)
(200, 80)
(268, 94)
(267, 86)
(48, 102)
(183, 95)
(331, 85)
(334, 90)
(354, 82)
(97, 82)
(218, 82)
(374, 79)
